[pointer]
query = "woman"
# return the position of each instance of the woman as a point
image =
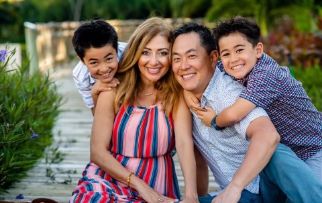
(134, 126)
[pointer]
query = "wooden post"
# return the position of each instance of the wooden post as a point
(31, 36)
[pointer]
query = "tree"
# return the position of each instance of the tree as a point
(76, 7)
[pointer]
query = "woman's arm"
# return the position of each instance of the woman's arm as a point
(184, 146)
(202, 175)
(100, 154)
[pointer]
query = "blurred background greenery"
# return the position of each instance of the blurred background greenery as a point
(306, 14)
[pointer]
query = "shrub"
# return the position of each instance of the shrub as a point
(28, 109)
(289, 46)
(311, 79)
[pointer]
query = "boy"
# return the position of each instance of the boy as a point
(96, 44)
(268, 86)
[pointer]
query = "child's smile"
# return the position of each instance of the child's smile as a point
(238, 55)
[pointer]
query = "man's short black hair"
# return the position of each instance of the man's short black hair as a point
(96, 34)
(238, 24)
(206, 37)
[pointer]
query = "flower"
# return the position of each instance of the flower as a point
(3, 54)
(33, 134)
(20, 196)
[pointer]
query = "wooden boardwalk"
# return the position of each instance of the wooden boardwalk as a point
(55, 178)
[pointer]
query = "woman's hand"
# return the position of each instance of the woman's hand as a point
(149, 194)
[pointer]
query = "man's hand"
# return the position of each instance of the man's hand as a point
(205, 114)
(231, 194)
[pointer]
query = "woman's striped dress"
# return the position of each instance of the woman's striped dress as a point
(142, 141)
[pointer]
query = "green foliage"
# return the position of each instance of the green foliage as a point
(28, 109)
(266, 12)
(312, 83)
(44, 11)
(189, 8)
(10, 22)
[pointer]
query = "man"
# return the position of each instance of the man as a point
(236, 155)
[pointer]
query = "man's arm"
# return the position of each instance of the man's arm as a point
(263, 141)
(235, 113)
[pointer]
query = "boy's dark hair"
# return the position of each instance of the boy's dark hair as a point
(206, 37)
(96, 33)
(238, 24)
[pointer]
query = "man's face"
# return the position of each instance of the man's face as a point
(101, 62)
(193, 67)
(238, 55)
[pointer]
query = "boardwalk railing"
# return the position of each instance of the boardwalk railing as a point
(49, 44)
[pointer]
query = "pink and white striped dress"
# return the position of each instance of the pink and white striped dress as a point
(142, 141)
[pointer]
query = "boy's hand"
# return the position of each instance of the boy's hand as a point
(99, 87)
(191, 100)
(205, 114)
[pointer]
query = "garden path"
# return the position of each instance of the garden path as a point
(55, 178)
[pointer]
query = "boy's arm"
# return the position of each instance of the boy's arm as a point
(81, 79)
(235, 113)
(99, 87)
(191, 100)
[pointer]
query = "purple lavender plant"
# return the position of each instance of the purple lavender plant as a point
(3, 54)
(33, 134)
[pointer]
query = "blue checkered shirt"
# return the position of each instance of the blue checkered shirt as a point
(297, 120)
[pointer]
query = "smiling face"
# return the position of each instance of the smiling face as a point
(193, 67)
(154, 61)
(238, 55)
(101, 62)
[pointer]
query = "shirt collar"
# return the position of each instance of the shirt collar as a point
(210, 90)
(91, 79)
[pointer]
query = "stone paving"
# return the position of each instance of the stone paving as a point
(56, 179)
